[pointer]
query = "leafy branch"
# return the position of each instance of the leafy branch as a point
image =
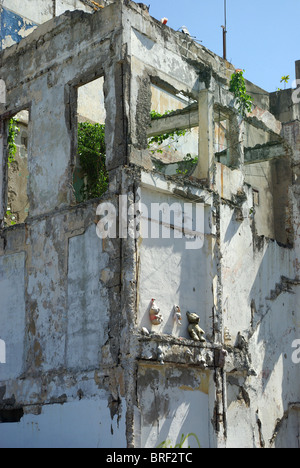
(92, 157)
(10, 217)
(13, 131)
(238, 88)
(284, 79)
(167, 443)
(188, 163)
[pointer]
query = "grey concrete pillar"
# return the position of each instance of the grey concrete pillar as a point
(206, 135)
(297, 66)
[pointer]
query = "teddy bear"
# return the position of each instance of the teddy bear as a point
(195, 332)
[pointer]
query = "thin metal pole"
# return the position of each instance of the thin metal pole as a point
(225, 32)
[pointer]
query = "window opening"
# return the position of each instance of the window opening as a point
(90, 178)
(221, 139)
(255, 197)
(173, 135)
(17, 203)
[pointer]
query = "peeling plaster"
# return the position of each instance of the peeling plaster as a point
(75, 308)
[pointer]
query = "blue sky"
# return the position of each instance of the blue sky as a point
(263, 35)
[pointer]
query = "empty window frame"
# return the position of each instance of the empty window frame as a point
(90, 179)
(173, 135)
(255, 197)
(228, 138)
(16, 161)
(221, 139)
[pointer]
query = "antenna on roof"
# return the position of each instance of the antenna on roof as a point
(225, 32)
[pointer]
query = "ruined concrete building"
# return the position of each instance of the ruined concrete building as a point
(83, 363)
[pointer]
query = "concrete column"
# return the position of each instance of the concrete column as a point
(297, 66)
(116, 94)
(206, 135)
(235, 153)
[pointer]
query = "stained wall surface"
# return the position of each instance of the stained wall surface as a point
(84, 365)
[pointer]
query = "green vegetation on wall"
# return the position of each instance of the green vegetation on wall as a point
(92, 159)
(238, 88)
(13, 131)
(168, 443)
(187, 164)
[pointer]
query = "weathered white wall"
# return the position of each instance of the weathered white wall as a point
(278, 376)
(173, 402)
(88, 307)
(171, 273)
(259, 176)
(262, 307)
(40, 11)
(150, 50)
(45, 190)
(288, 433)
(85, 306)
(71, 5)
(91, 102)
(78, 424)
(162, 101)
(247, 274)
(49, 166)
(12, 313)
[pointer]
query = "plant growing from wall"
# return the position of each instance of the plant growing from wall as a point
(13, 131)
(168, 443)
(284, 79)
(92, 158)
(160, 139)
(187, 164)
(238, 88)
(10, 218)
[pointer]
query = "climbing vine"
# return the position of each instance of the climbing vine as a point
(238, 88)
(13, 131)
(92, 158)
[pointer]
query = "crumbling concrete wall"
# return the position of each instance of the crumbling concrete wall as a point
(19, 18)
(75, 318)
(56, 321)
(180, 396)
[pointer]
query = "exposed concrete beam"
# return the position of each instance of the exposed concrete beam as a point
(263, 119)
(181, 120)
(206, 135)
(266, 152)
